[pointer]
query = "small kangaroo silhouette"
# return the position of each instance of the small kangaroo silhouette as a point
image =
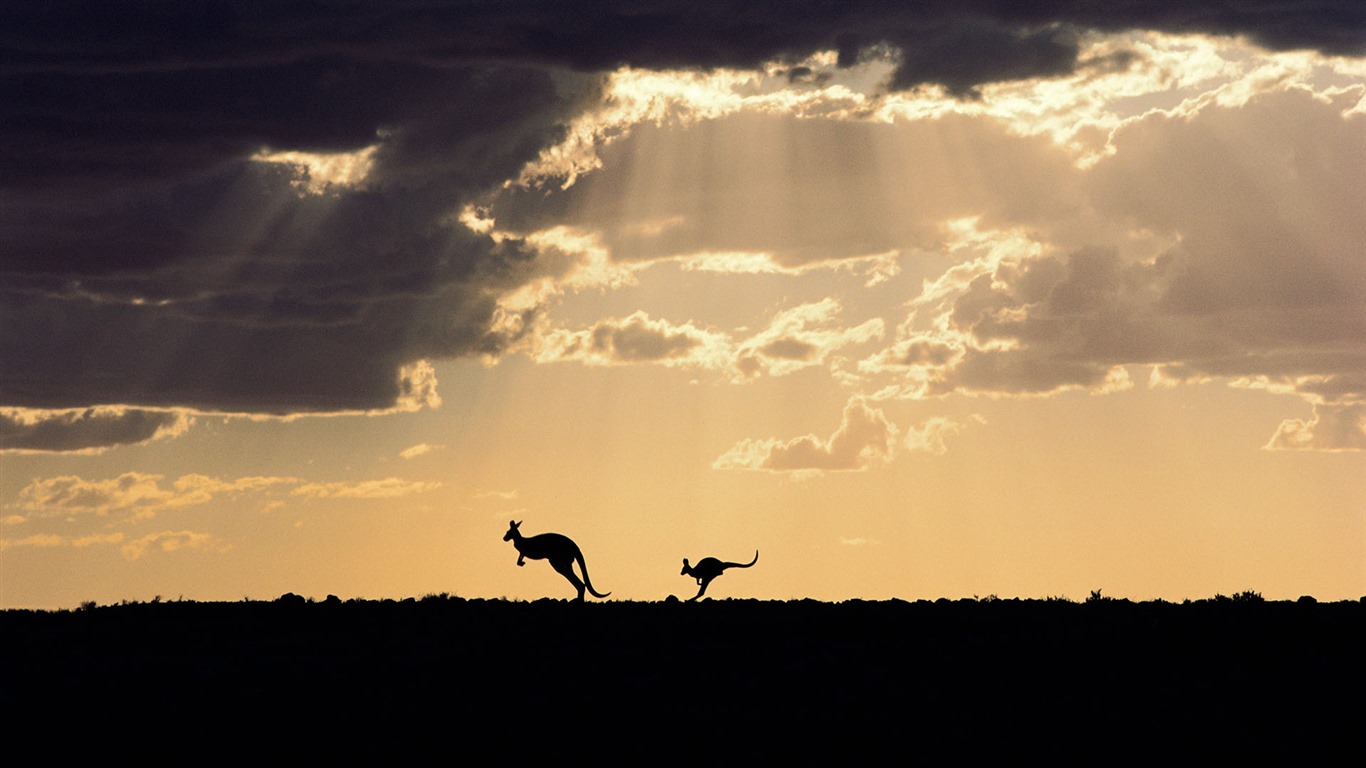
(709, 568)
(560, 550)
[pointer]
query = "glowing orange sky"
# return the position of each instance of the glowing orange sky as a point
(1093, 332)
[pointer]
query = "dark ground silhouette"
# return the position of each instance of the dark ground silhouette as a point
(1100, 681)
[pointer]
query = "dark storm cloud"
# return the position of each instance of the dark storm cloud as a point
(146, 260)
(214, 283)
(87, 429)
(1018, 37)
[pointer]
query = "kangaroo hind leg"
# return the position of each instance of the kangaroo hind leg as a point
(566, 569)
(702, 588)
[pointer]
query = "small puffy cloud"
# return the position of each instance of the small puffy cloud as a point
(1333, 428)
(137, 494)
(865, 438)
(876, 269)
(796, 338)
(131, 549)
(97, 540)
(632, 340)
(171, 541)
(505, 495)
(36, 541)
(419, 450)
(322, 172)
(73, 495)
(87, 430)
(388, 488)
(799, 338)
(576, 259)
(416, 388)
(930, 437)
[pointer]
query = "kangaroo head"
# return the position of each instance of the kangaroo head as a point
(512, 530)
(684, 572)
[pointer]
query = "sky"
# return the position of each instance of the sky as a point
(915, 300)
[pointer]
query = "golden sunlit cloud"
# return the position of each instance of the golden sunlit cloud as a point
(1119, 78)
(732, 262)
(635, 339)
(1023, 311)
(171, 541)
(317, 173)
(930, 437)
(636, 96)
(476, 218)
(505, 495)
(136, 549)
(928, 341)
(800, 337)
(420, 449)
(97, 540)
(864, 439)
(417, 388)
(1333, 428)
(577, 260)
(388, 488)
(36, 541)
(1122, 81)
(51, 541)
(569, 260)
(876, 268)
(141, 495)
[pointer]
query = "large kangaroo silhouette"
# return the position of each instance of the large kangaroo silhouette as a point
(560, 550)
(709, 568)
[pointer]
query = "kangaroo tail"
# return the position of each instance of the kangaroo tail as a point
(583, 566)
(745, 565)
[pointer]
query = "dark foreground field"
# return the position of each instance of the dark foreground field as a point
(478, 681)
